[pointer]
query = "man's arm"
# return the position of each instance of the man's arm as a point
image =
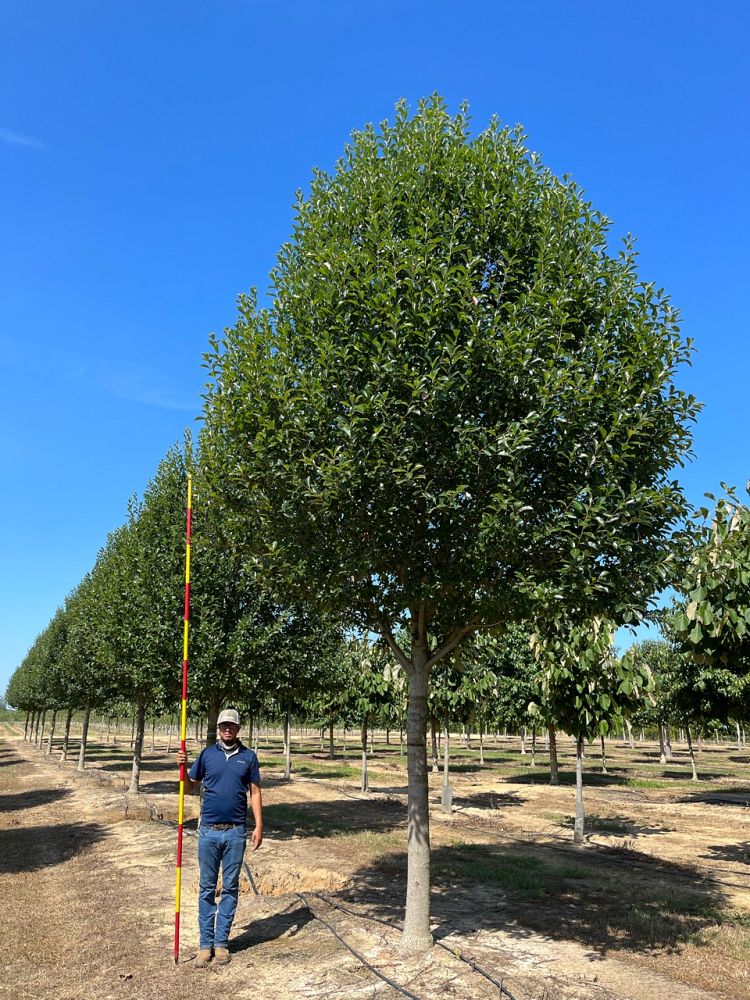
(190, 785)
(256, 804)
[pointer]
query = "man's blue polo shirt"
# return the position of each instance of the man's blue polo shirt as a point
(226, 779)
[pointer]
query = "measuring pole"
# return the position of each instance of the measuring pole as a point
(183, 719)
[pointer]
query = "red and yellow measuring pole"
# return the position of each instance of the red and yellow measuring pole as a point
(183, 718)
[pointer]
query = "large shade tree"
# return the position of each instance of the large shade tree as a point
(457, 408)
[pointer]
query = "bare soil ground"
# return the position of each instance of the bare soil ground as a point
(655, 906)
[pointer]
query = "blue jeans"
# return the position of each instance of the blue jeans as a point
(225, 849)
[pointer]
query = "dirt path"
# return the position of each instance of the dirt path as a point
(88, 900)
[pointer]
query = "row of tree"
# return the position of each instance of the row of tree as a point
(456, 413)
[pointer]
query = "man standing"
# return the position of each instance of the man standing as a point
(229, 771)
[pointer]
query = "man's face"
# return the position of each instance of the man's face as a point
(228, 732)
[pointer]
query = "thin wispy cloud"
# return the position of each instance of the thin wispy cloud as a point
(10, 138)
(138, 388)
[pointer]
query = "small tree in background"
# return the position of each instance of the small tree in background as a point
(585, 688)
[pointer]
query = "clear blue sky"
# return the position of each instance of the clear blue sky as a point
(149, 154)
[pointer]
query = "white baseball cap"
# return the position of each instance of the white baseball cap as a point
(228, 715)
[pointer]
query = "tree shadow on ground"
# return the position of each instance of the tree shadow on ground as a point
(288, 923)
(729, 852)
(719, 798)
(616, 826)
(486, 800)
(30, 848)
(326, 819)
(30, 799)
(479, 887)
(146, 765)
(12, 760)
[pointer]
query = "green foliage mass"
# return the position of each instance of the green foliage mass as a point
(458, 403)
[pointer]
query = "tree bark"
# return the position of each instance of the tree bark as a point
(523, 740)
(604, 757)
(692, 755)
(662, 752)
(580, 815)
(364, 785)
(554, 774)
(84, 738)
(433, 729)
(631, 741)
(667, 743)
(138, 735)
(481, 742)
(66, 738)
(417, 936)
(331, 751)
(211, 721)
(447, 795)
(287, 746)
(739, 736)
(51, 736)
(40, 730)
(533, 746)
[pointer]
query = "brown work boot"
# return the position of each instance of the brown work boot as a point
(202, 958)
(222, 956)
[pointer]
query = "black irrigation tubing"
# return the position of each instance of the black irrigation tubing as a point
(456, 952)
(399, 989)
(453, 951)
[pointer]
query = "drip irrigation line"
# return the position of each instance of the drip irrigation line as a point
(456, 952)
(399, 989)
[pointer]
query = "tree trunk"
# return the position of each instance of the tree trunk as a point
(26, 726)
(523, 740)
(631, 741)
(140, 731)
(662, 752)
(170, 730)
(117, 727)
(554, 774)
(287, 746)
(66, 738)
(417, 936)
(481, 742)
(447, 793)
(401, 740)
(467, 735)
(211, 721)
(153, 736)
(40, 730)
(331, 750)
(692, 755)
(604, 757)
(84, 739)
(533, 746)
(51, 736)
(739, 736)
(580, 816)
(433, 728)
(364, 785)
(667, 743)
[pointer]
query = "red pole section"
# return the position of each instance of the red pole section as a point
(183, 718)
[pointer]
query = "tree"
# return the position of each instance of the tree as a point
(585, 689)
(712, 626)
(457, 409)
